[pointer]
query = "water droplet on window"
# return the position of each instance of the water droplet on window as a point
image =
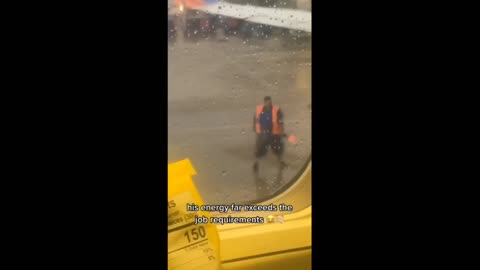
(243, 131)
(224, 173)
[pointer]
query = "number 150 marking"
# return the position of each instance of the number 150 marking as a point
(195, 234)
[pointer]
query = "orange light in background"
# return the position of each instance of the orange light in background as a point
(189, 3)
(292, 139)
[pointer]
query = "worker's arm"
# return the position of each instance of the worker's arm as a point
(280, 122)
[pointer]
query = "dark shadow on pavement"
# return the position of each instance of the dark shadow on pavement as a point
(263, 188)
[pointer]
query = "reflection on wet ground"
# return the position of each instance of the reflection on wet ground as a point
(266, 188)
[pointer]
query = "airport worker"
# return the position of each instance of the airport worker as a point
(269, 128)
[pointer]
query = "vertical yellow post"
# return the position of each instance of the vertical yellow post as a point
(190, 245)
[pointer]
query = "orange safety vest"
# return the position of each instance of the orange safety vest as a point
(276, 128)
(189, 3)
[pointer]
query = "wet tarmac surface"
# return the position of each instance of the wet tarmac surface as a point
(213, 88)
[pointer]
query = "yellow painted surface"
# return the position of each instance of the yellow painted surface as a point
(297, 260)
(190, 246)
(270, 245)
(294, 233)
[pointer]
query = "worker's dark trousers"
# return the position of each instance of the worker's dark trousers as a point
(268, 140)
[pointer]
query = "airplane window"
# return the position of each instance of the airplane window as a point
(226, 77)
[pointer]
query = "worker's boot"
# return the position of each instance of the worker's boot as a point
(255, 168)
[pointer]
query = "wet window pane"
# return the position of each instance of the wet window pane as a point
(219, 70)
